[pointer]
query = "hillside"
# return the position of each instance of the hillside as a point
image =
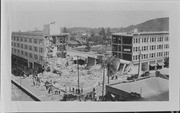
(159, 24)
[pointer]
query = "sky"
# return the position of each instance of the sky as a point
(28, 15)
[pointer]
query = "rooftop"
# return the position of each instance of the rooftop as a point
(35, 32)
(147, 87)
(141, 33)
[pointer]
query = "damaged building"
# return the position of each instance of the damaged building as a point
(31, 49)
(149, 49)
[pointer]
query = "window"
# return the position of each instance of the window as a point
(134, 49)
(144, 39)
(40, 41)
(22, 53)
(40, 50)
(18, 51)
(166, 46)
(30, 55)
(30, 40)
(14, 50)
(144, 48)
(159, 46)
(41, 58)
(139, 40)
(136, 40)
(35, 49)
(154, 47)
(115, 48)
(25, 39)
(21, 39)
(114, 39)
(18, 45)
(35, 41)
(22, 46)
(144, 56)
(17, 38)
(26, 47)
(35, 56)
(30, 47)
(14, 44)
(26, 54)
(166, 38)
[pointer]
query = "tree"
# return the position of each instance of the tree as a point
(102, 33)
(65, 30)
(108, 32)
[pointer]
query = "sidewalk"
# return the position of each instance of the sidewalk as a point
(27, 84)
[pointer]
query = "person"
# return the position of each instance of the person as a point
(33, 80)
(46, 83)
(38, 80)
(73, 90)
(94, 90)
(70, 89)
(116, 77)
(81, 90)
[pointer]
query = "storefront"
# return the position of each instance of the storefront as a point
(37, 65)
(19, 61)
(152, 65)
(144, 66)
(160, 64)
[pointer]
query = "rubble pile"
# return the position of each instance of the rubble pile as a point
(68, 75)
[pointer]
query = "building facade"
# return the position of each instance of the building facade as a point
(148, 48)
(27, 48)
(30, 49)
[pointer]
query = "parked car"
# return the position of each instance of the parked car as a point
(132, 77)
(145, 74)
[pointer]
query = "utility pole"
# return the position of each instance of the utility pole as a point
(78, 71)
(108, 71)
(139, 62)
(103, 73)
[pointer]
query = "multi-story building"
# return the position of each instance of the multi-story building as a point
(151, 47)
(29, 48)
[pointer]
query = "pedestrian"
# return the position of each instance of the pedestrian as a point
(94, 89)
(116, 77)
(73, 90)
(76, 91)
(33, 81)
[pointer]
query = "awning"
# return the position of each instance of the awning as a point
(82, 58)
(160, 63)
(152, 64)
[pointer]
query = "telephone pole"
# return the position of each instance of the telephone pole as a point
(139, 62)
(78, 71)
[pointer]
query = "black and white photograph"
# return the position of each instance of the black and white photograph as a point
(87, 51)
